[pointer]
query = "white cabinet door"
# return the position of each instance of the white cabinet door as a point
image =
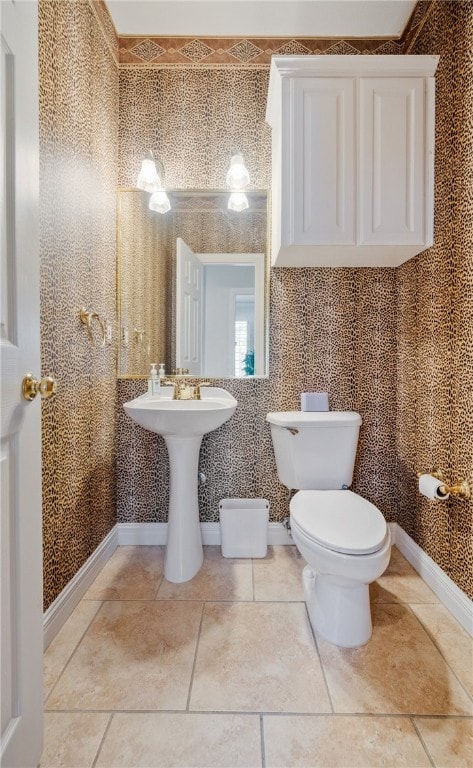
(392, 160)
(320, 192)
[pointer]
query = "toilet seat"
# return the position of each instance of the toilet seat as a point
(340, 521)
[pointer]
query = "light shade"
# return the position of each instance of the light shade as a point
(159, 201)
(148, 178)
(238, 201)
(237, 176)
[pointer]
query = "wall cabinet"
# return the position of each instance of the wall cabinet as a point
(353, 152)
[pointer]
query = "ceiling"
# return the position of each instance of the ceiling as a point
(261, 18)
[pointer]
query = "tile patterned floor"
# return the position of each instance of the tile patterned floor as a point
(225, 671)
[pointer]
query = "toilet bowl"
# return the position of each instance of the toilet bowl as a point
(347, 545)
(343, 537)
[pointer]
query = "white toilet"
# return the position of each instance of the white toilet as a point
(343, 537)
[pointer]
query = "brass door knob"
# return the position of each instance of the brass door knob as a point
(45, 387)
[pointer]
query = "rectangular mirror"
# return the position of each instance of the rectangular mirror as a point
(193, 284)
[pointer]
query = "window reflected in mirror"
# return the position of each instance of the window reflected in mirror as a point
(193, 285)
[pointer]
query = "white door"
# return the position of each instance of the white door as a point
(188, 309)
(20, 458)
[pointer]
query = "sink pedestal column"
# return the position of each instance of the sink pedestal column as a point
(184, 553)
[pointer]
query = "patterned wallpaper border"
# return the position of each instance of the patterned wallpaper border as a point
(236, 51)
(148, 51)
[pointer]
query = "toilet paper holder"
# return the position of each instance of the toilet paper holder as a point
(461, 489)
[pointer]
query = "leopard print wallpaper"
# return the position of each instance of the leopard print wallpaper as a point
(78, 180)
(144, 269)
(394, 344)
(329, 329)
(388, 343)
(107, 26)
(435, 314)
(308, 349)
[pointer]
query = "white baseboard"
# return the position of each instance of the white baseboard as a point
(446, 590)
(392, 528)
(60, 610)
(453, 598)
(151, 534)
(278, 534)
(121, 534)
(156, 533)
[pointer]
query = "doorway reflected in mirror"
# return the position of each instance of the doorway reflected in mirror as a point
(193, 285)
(219, 312)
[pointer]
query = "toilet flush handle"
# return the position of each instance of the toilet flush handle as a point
(292, 430)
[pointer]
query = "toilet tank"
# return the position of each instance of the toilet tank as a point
(315, 450)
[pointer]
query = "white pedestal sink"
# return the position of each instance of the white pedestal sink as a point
(183, 423)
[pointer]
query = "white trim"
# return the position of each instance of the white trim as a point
(350, 65)
(278, 534)
(210, 533)
(150, 534)
(453, 598)
(393, 528)
(60, 610)
(456, 601)
(156, 533)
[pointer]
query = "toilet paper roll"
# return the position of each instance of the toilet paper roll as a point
(429, 486)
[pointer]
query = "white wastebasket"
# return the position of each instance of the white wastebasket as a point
(244, 527)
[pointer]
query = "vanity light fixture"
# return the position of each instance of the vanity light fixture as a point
(237, 201)
(237, 178)
(148, 178)
(237, 175)
(159, 201)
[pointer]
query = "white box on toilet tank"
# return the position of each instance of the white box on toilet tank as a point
(244, 527)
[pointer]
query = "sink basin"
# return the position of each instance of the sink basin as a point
(183, 423)
(182, 417)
